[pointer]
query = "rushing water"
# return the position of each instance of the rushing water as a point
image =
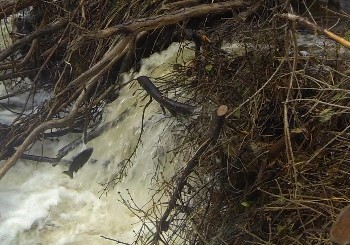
(40, 205)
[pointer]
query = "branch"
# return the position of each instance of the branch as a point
(24, 61)
(92, 134)
(146, 24)
(18, 74)
(23, 41)
(55, 161)
(315, 27)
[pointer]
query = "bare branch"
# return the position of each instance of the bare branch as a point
(27, 39)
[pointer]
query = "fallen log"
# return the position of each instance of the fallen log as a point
(173, 106)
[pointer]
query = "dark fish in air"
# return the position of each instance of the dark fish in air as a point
(79, 161)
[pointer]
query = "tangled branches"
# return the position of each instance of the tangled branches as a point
(278, 170)
(278, 173)
(79, 59)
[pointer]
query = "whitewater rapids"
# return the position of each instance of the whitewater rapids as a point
(40, 205)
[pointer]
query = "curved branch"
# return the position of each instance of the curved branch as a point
(146, 24)
(24, 61)
(23, 41)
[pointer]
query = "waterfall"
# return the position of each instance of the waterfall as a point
(40, 205)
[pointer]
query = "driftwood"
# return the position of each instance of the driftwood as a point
(216, 127)
(173, 106)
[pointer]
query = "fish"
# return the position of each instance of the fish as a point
(340, 231)
(78, 162)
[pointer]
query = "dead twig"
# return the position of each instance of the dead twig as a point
(303, 21)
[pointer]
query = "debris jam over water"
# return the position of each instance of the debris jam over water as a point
(41, 205)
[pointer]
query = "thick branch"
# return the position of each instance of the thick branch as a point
(24, 61)
(172, 105)
(146, 24)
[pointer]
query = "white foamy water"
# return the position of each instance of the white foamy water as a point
(40, 205)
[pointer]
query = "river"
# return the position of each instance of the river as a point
(40, 205)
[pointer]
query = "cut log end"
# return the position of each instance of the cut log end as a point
(340, 231)
(222, 110)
